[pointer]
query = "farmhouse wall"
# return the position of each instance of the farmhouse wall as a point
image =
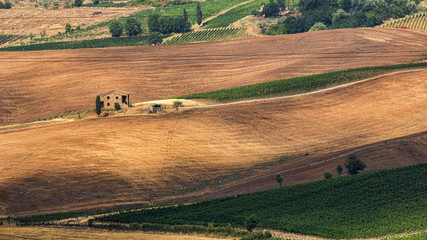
(109, 99)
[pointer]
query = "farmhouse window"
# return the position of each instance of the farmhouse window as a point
(108, 104)
(108, 97)
(117, 97)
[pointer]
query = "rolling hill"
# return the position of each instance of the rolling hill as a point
(128, 160)
(46, 83)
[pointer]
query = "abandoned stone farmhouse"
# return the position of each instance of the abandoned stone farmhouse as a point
(108, 99)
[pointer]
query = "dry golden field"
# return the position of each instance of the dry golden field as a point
(46, 83)
(24, 21)
(15, 233)
(113, 161)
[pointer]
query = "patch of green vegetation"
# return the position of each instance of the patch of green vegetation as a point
(235, 14)
(416, 236)
(361, 205)
(301, 84)
(94, 43)
(209, 36)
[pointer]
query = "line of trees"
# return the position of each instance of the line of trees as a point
(168, 24)
(131, 27)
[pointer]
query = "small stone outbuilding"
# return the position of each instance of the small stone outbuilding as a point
(109, 99)
(155, 108)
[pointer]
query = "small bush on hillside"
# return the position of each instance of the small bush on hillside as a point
(177, 104)
(155, 38)
(132, 27)
(78, 3)
(251, 222)
(116, 29)
(318, 27)
(354, 164)
(327, 175)
(339, 169)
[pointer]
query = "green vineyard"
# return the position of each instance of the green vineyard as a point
(235, 14)
(210, 35)
(10, 38)
(414, 22)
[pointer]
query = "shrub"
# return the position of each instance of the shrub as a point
(327, 175)
(116, 29)
(339, 169)
(78, 3)
(251, 222)
(155, 38)
(354, 164)
(67, 27)
(177, 104)
(95, 2)
(132, 27)
(318, 27)
(279, 179)
(7, 5)
(117, 106)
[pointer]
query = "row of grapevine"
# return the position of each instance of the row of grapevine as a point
(235, 14)
(10, 38)
(415, 22)
(300, 84)
(210, 35)
(363, 205)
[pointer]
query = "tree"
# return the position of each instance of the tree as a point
(116, 29)
(95, 2)
(117, 106)
(279, 179)
(271, 9)
(177, 104)
(327, 175)
(67, 27)
(199, 16)
(339, 169)
(318, 27)
(354, 164)
(155, 38)
(185, 15)
(98, 105)
(78, 3)
(31, 35)
(251, 222)
(7, 5)
(132, 27)
(281, 4)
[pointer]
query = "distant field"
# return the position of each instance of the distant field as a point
(413, 22)
(365, 205)
(34, 82)
(146, 159)
(301, 84)
(14, 233)
(209, 36)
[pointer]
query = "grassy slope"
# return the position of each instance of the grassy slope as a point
(417, 236)
(300, 84)
(364, 205)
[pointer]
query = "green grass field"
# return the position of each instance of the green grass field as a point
(300, 84)
(363, 205)
(416, 236)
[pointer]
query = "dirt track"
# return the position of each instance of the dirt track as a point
(43, 84)
(143, 159)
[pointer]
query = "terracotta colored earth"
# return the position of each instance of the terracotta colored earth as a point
(188, 154)
(14, 233)
(46, 83)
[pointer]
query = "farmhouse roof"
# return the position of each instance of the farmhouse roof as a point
(114, 91)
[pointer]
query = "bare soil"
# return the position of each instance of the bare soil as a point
(45, 83)
(13, 233)
(23, 21)
(189, 154)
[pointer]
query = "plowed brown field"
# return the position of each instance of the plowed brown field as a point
(141, 159)
(45, 83)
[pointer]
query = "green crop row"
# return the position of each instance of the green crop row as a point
(300, 84)
(235, 14)
(5, 38)
(362, 205)
(209, 36)
(94, 43)
(416, 236)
